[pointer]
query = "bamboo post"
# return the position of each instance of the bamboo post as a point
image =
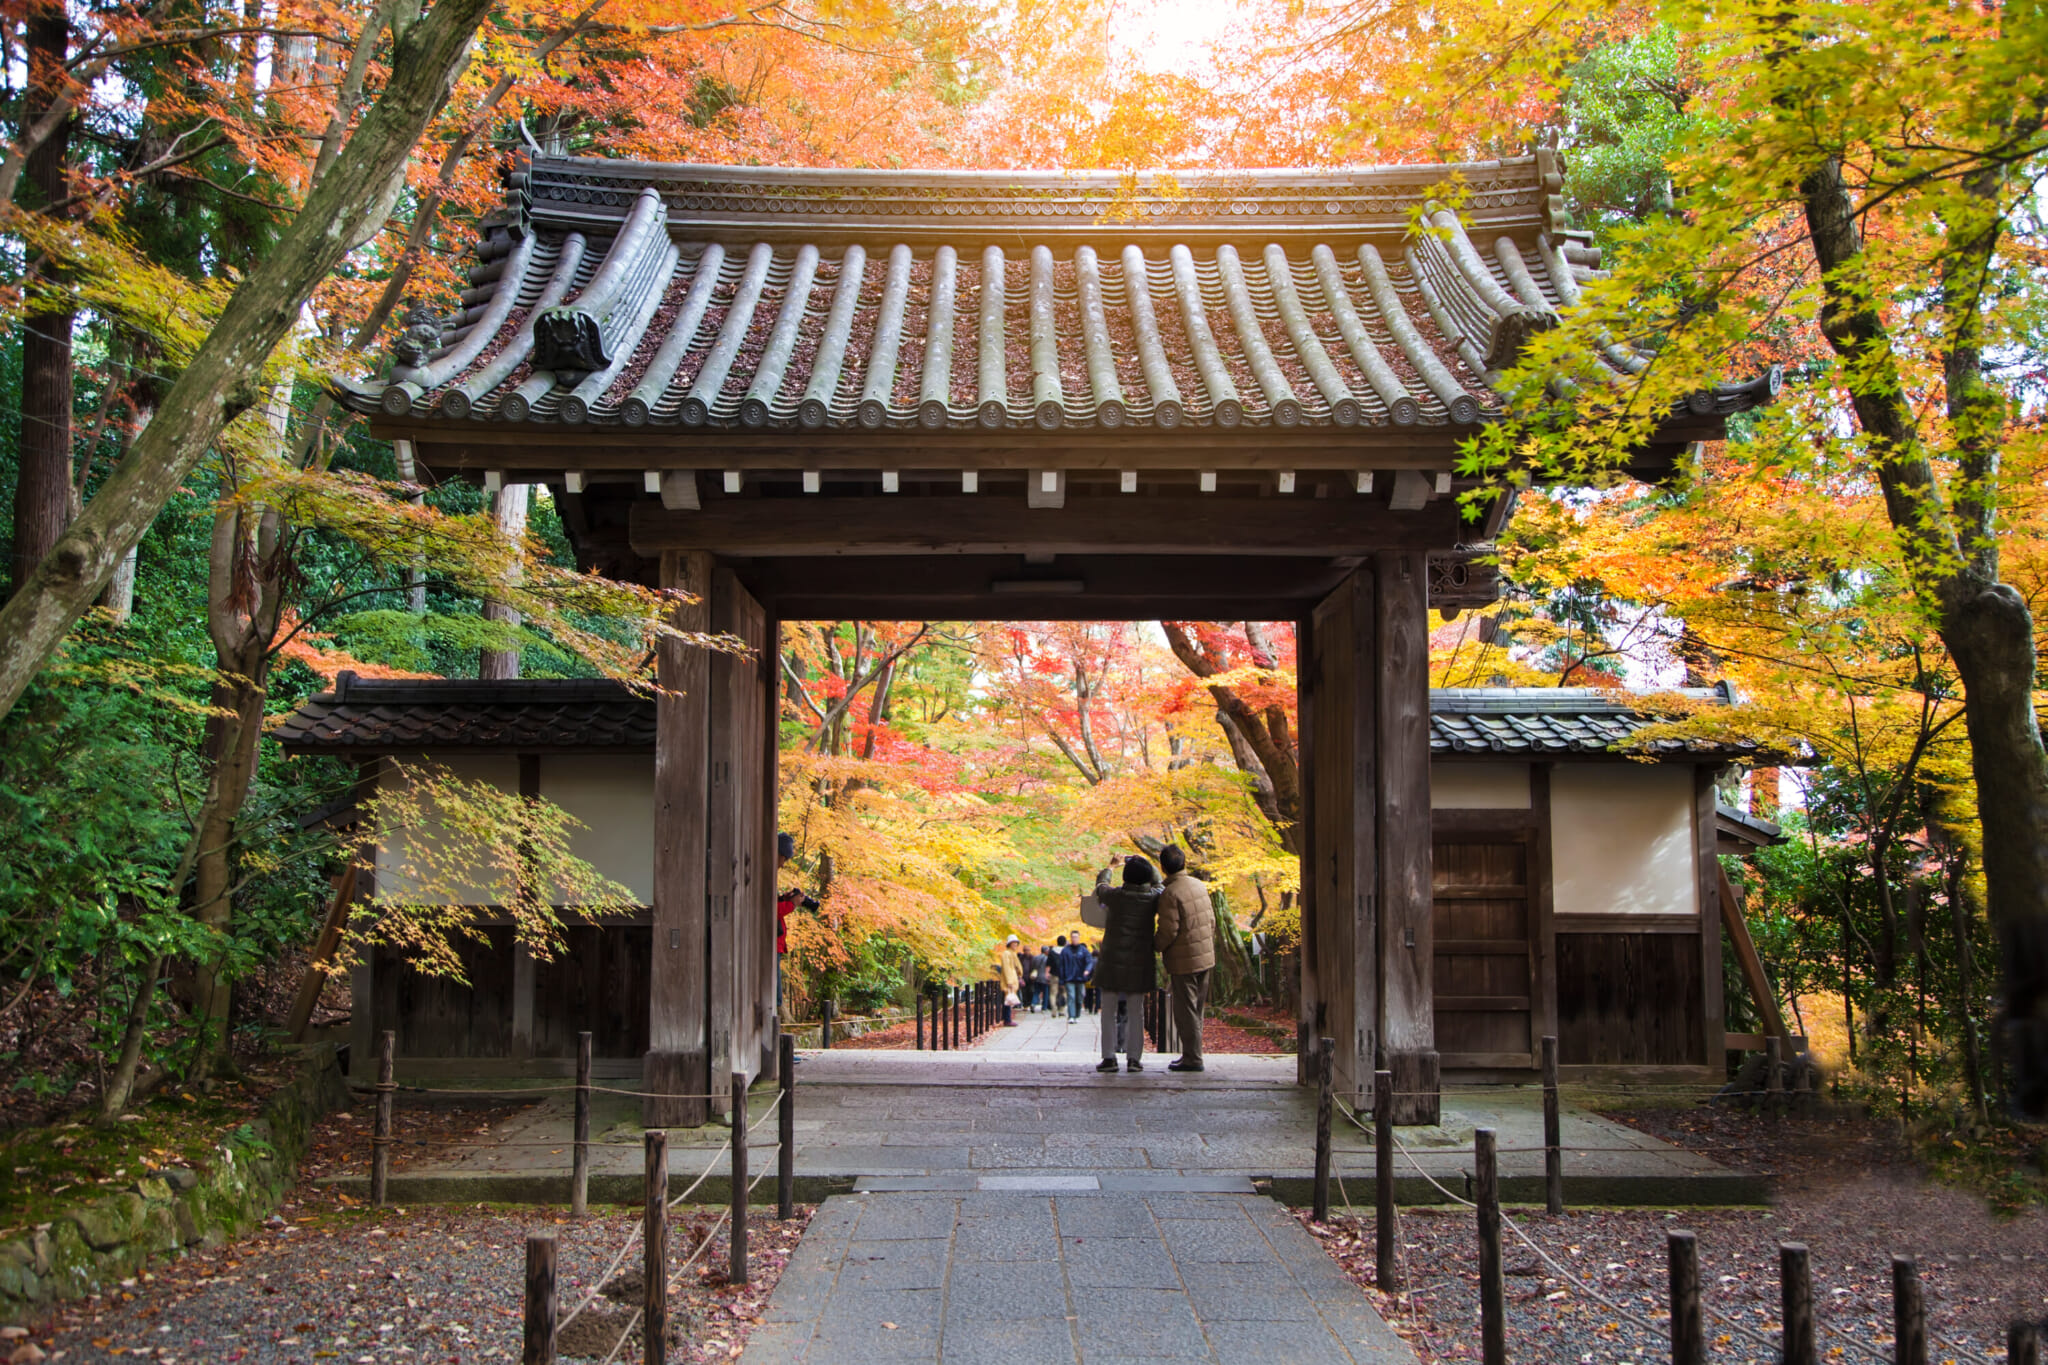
(1388, 1268)
(785, 1136)
(1795, 1298)
(380, 1131)
(737, 1242)
(539, 1346)
(654, 1248)
(1326, 1054)
(1774, 1080)
(2022, 1343)
(579, 1169)
(1493, 1307)
(1909, 1313)
(1553, 1154)
(1688, 1335)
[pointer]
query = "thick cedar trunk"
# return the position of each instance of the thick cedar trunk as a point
(350, 202)
(42, 497)
(500, 665)
(1951, 551)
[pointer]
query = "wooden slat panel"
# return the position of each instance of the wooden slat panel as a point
(441, 1017)
(1628, 924)
(598, 982)
(1501, 824)
(1629, 999)
(1478, 892)
(1476, 1060)
(1512, 1003)
(1504, 947)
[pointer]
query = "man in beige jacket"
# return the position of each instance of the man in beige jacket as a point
(1186, 939)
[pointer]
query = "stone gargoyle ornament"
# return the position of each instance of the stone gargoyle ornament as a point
(568, 341)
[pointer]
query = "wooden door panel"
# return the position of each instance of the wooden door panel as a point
(1484, 965)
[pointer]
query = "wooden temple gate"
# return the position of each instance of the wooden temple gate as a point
(897, 395)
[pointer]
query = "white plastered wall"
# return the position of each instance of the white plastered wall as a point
(613, 795)
(1479, 786)
(1622, 840)
(393, 854)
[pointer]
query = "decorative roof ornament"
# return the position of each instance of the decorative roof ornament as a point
(417, 339)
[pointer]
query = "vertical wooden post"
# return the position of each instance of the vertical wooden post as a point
(917, 1005)
(1553, 1154)
(654, 1248)
(1909, 1313)
(1326, 1058)
(1493, 1307)
(737, 1242)
(539, 1346)
(2022, 1343)
(1774, 1081)
(958, 1006)
(1387, 1268)
(1795, 1303)
(579, 1169)
(785, 1135)
(677, 1070)
(380, 1133)
(1688, 1334)
(825, 1008)
(1707, 862)
(1406, 950)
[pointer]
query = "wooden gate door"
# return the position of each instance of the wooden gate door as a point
(1489, 910)
(1485, 971)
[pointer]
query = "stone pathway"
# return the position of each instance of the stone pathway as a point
(1027, 1274)
(1051, 1033)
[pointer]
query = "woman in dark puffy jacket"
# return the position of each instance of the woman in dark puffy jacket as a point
(1124, 970)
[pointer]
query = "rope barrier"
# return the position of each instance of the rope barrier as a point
(1758, 1338)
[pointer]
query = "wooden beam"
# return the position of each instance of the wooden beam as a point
(678, 1055)
(478, 444)
(1542, 910)
(1707, 863)
(323, 953)
(1752, 962)
(996, 525)
(1401, 720)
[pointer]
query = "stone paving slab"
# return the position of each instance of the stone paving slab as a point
(1085, 1278)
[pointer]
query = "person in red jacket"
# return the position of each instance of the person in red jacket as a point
(785, 902)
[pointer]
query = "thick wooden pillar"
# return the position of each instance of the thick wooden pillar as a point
(767, 1026)
(1338, 925)
(1406, 943)
(678, 1048)
(741, 908)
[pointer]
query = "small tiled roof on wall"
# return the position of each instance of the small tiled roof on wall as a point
(375, 716)
(1540, 722)
(635, 295)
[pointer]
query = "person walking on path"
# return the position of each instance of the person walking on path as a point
(1073, 971)
(1123, 971)
(1013, 976)
(1042, 966)
(1186, 939)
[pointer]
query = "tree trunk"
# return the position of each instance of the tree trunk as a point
(351, 201)
(509, 507)
(42, 495)
(121, 1085)
(1991, 639)
(239, 730)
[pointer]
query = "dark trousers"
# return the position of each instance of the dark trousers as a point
(1190, 994)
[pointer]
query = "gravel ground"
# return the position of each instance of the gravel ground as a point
(420, 1284)
(328, 1280)
(1845, 1190)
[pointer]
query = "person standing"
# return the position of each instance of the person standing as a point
(1012, 970)
(1123, 970)
(1186, 939)
(1073, 972)
(1042, 971)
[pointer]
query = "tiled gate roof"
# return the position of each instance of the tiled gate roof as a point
(637, 295)
(365, 716)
